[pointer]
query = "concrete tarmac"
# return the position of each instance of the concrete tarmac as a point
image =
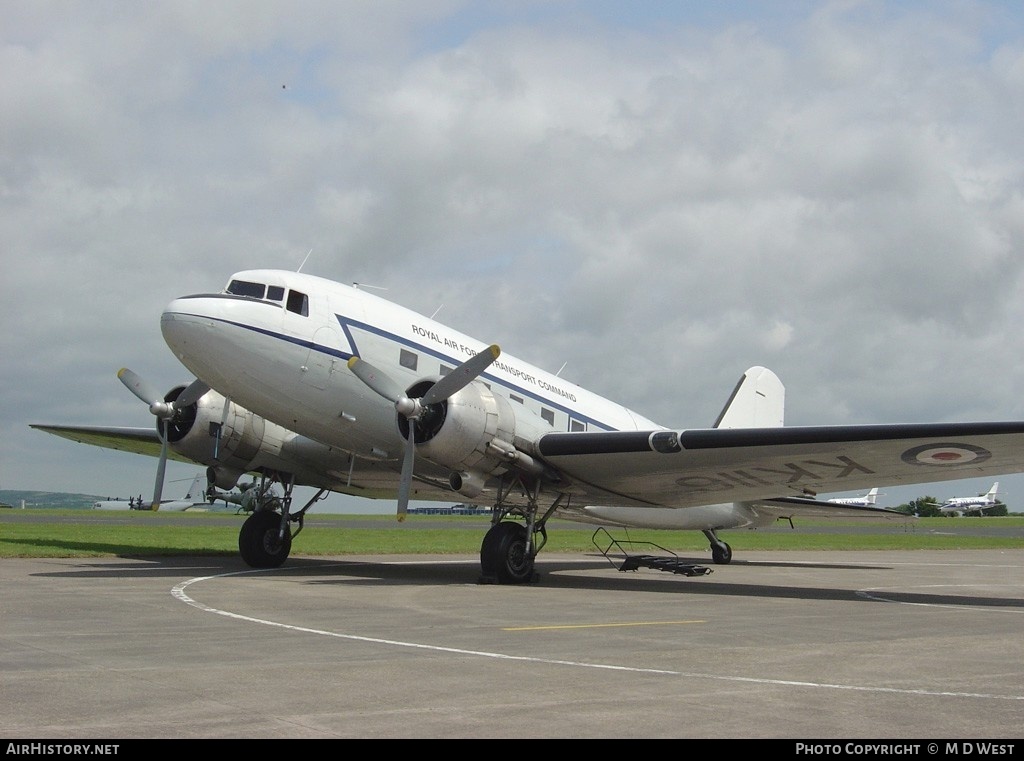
(795, 645)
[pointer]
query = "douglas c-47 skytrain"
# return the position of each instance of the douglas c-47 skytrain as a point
(304, 381)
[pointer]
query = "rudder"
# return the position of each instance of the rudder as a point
(758, 401)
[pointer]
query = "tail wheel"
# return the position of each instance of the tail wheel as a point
(259, 542)
(721, 553)
(504, 554)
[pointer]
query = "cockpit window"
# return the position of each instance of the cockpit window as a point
(246, 288)
(298, 303)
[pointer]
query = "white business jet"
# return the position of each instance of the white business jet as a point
(866, 500)
(304, 381)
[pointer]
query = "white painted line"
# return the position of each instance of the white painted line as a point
(179, 593)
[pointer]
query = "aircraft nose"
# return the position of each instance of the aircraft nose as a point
(186, 325)
(173, 325)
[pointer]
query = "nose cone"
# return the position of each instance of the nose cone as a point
(176, 326)
(188, 328)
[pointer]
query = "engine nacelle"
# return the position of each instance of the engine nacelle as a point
(194, 434)
(473, 417)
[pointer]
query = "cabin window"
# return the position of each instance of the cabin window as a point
(548, 415)
(275, 293)
(298, 303)
(515, 398)
(576, 425)
(246, 288)
(407, 359)
(443, 370)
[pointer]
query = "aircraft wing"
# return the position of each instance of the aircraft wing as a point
(138, 440)
(704, 466)
(366, 478)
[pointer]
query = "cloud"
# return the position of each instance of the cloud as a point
(655, 201)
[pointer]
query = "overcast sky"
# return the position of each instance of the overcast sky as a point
(656, 195)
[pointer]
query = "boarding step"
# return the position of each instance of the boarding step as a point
(661, 563)
(669, 562)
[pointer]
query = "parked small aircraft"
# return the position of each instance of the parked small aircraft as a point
(962, 505)
(195, 499)
(865, 501)
(304, 381)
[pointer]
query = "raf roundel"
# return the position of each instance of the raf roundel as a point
(945, 454)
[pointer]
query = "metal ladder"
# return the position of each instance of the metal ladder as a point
(670, 562)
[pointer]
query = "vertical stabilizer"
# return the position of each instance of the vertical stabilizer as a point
(197, 491)
(758, 401)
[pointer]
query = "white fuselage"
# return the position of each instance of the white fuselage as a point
(278, 343)
(959, 505)
(966, 505)
(291, 367)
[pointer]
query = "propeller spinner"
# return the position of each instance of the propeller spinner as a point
(415, 409)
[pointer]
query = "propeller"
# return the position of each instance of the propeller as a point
(414, 409)
(165, 413)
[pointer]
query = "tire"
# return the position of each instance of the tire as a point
(504, 556)
(258, 543)
(721, 553)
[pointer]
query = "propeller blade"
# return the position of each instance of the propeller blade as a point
(139, 387)
(145, 392)
(158, 487)
(192, 394)
(376, 380)
(461, 376)
(405, 484)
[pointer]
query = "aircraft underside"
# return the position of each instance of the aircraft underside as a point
(508, 551)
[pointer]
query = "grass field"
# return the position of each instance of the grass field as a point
(77, 533)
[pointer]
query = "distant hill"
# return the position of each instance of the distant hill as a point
(53, 499)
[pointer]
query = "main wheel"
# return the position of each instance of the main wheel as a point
(258, 541)
(504, 555)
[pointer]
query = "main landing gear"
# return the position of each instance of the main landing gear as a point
(510, 547)
(265, 539)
